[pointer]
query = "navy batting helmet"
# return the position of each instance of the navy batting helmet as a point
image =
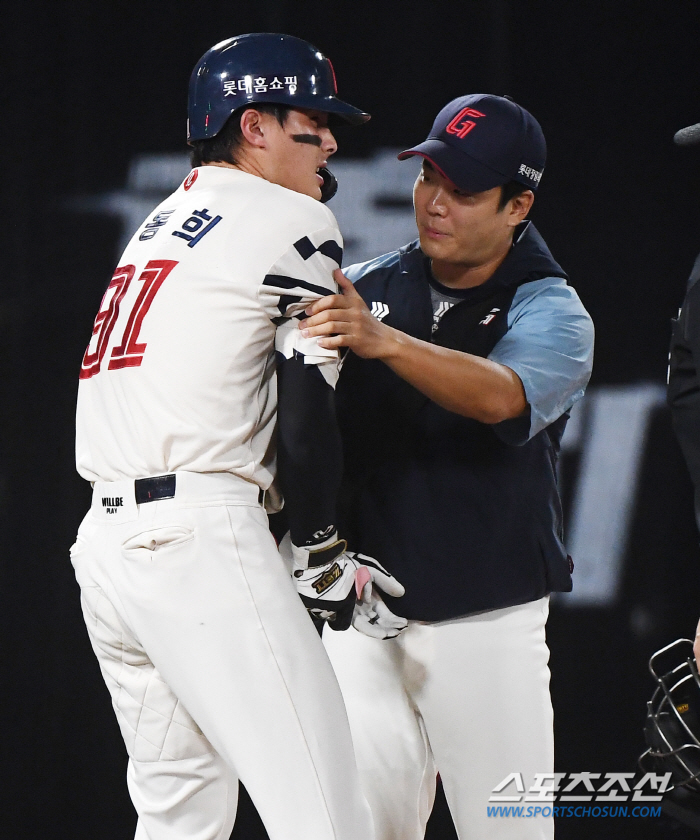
(256, 68)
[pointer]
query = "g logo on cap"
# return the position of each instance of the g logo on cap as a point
(460, 126)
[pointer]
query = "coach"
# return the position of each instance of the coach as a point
(452, 406)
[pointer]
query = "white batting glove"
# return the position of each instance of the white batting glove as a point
(340, 586)
(372, 616)
(324, 575)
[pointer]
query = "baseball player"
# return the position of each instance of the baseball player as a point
(452, 407)
(215, 670)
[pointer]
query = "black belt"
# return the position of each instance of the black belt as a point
(163, 487)
(152, 489)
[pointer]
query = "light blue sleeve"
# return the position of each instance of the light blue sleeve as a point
(549, 344)
(357, 270)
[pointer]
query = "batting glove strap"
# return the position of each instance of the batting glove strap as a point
(318, 554)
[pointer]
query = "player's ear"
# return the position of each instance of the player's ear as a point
(520, 206)
(253, 127)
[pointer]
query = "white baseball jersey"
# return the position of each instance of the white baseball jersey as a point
(179, 373)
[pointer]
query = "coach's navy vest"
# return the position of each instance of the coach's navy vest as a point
(465, 520)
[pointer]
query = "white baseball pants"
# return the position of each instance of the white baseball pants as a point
(467, 698)
(215, 670)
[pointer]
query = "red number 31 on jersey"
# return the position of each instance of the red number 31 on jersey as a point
(128, 353)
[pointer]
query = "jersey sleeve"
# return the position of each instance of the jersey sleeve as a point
(302, 275)
(549, 345)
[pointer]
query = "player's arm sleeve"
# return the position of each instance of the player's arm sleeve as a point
(309, 450)
(549, 345)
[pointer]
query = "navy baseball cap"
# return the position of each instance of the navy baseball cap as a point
(481, 141)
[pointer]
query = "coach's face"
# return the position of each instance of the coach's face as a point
(462, 228)
(299, 149)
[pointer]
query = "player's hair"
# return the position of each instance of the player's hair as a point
(510, 190)
(224, 145)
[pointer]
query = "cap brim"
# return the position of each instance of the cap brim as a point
(462, 169)
(688, 136)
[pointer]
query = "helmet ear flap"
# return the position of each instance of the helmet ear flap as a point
(672, 725)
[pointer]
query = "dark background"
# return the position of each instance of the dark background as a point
(86, 86)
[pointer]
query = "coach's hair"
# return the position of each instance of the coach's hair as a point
(224, 145)
(510, 190)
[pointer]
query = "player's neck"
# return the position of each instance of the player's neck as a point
(243, 166)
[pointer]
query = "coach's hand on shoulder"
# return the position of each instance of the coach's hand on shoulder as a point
(340, 586)
(344, 320)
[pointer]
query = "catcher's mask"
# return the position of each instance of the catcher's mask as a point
(672, 727)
